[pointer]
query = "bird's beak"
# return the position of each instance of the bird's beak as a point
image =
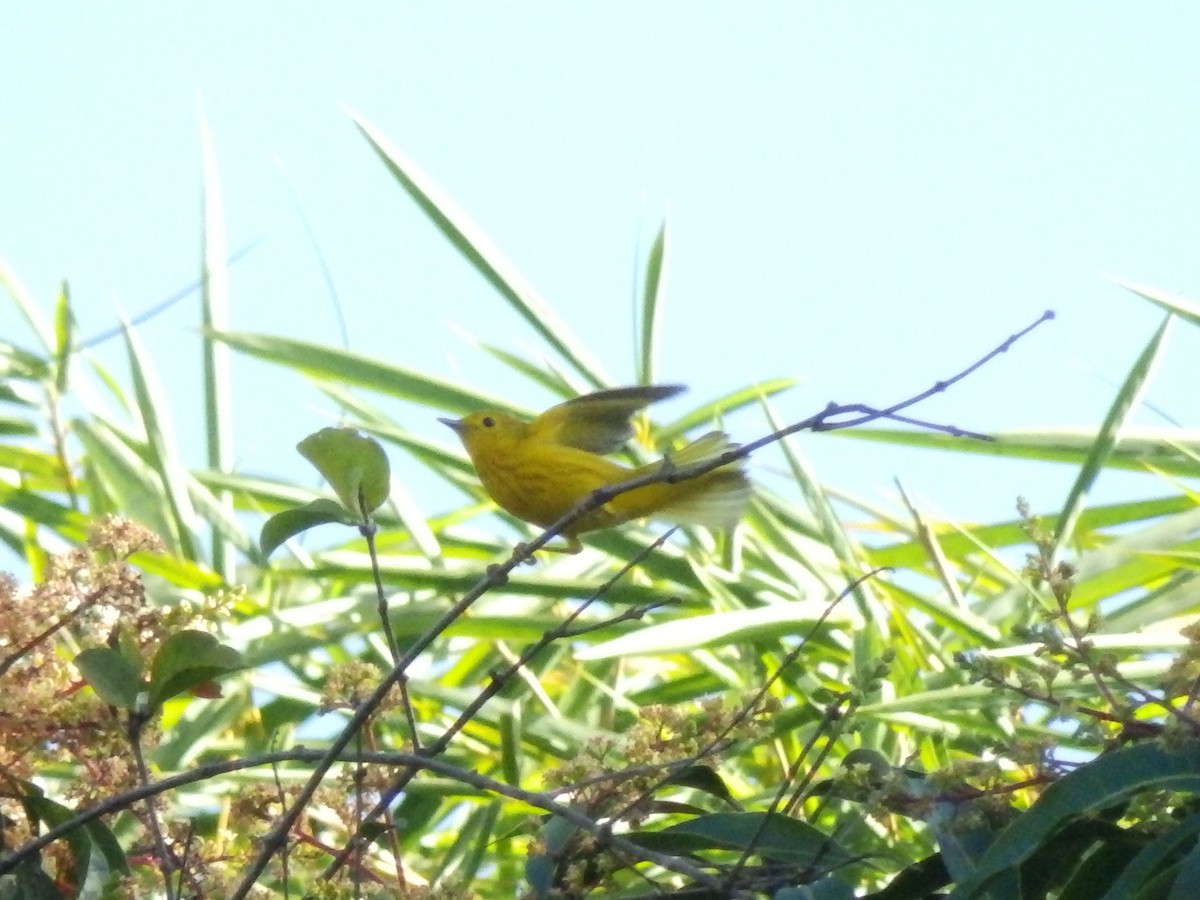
(455, 424)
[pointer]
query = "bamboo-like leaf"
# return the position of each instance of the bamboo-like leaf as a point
(44, 512)
(64, 337)
(959, 542)
(482, 828)
(257, 494)
(653, 292)
(776, 837)
(18, 365)
(544, 376)
(704, 416)
(28, 307)
(468, 238)
(38, 468)
(770, 623)
(214, 304)
(1187, 310)
(1123, 406)
(1170, 533)
(973, 630)
(164, 456)
(133, 486)
(1171, 451)
(460, 862)
(341, 366)
(414, 573)
(221, 517)
(832, 531)
(1178, 595)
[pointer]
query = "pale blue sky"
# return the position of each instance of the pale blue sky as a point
(863, 196)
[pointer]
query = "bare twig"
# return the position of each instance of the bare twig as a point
(826, 420)
(496, 683)
(166, 863)
(11, 861)
(748, 708)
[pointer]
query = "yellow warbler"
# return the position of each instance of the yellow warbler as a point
(540, 470)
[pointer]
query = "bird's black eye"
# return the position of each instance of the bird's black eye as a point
(488, 421)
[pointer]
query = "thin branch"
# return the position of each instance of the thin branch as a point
(750, 706)
(494, 686)
(832, 418)
(367, 529)
(497, 575)
(165, 860)
(829, 716)
(10, 862)
(164, 305)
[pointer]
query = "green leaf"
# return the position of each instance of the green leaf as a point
(214, 303)
(553, 838)
(291, 522)
(1185, 309)
(542, 375)
(187, 659)
(468, 238)
(162, 451)
(652, 295)
(28, 306)
(704, 779)
(1152, 858)
(704, 416)
(128, 483)
(112, 675)
(829, 888)
(1122, 407)
(1171, 451)
(1187, 878)
(64, 332)
(93, 837)
(716, 630)
(781, 839)
(917, 881)
(354, 465)
(29, 882)
(1105, 781)
(343, 367)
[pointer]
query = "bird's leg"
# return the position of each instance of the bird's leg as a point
(572, 546)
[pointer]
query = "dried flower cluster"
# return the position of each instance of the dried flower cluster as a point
(85, 597)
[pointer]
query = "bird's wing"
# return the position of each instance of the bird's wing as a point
(599, 422)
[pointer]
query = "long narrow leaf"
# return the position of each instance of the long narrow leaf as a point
(1123, 406)
(705, 415)
(957, 544)
(1185, 309)
(132, 486)
(42, 327)
(218, 392)
(1094, 786)
(64, 338)
(1171, 451)
(341, 366)
(160, 441)
(468, 238)
(652, 295)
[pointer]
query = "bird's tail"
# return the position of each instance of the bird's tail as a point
(715, 499)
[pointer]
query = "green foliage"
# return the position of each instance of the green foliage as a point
(836, 700)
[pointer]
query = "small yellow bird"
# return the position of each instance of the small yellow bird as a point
(540, 470)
